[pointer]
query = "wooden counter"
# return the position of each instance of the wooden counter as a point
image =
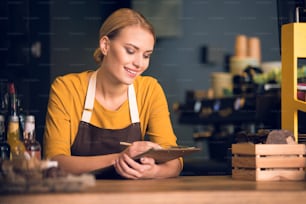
(185, 189)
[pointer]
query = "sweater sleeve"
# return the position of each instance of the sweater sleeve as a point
(59, 128)
(159, 127)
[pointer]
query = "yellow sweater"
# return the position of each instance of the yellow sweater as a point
(66, 102)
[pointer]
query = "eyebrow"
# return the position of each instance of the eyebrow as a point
(137, 48)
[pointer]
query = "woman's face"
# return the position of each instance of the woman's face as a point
(127, 55)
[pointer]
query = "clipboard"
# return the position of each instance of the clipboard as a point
(164, 155)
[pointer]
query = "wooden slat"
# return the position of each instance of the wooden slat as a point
(269, 162)
(243, 174)
(283, 149)
(268, 149)
(272, 175)
(280, 175)
(248, 149)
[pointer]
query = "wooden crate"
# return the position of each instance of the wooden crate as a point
(268, 162)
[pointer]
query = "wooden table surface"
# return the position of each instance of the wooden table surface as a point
(184, 189)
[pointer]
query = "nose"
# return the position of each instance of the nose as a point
(138, 61)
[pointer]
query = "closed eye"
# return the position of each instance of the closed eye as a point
(146, 56)
(130, 51)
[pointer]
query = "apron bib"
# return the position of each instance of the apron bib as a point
(91, 140)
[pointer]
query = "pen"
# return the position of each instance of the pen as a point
(170, 147)
(125, 143)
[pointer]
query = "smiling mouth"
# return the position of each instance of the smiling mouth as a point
(131, 72)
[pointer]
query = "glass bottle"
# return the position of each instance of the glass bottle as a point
(12, 99)
(33, 147)
(13, 138)
(5, 149)
(3, 99)
(21, 116)
(15, 107)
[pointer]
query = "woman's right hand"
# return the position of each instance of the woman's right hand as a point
(140, 147)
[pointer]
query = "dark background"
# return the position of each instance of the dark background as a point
(26, 24)
(67, 33)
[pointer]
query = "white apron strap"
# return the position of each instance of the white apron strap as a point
(90, 99)
(133, 104)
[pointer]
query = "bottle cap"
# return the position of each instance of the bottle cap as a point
(13, 118)
(30, 118)
(12, 88)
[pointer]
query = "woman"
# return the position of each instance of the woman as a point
(90, 113)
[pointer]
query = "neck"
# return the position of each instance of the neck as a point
(109, 94)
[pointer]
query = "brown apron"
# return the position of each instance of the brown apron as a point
(91, 140)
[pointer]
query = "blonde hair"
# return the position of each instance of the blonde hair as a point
(118, 20)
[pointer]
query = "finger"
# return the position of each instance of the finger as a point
(121, 172)
(147, 145)
(140, 166)
(147, 160)
(129, 166)
(140, 147)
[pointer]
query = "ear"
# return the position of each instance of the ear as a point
(104, 45)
